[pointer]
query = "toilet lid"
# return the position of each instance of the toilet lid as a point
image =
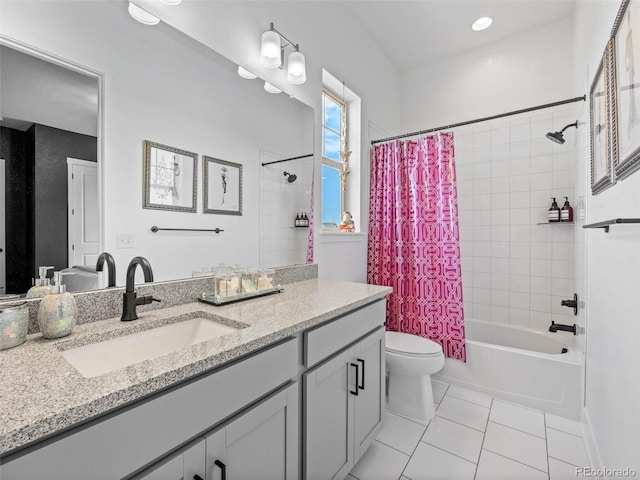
(408, 344)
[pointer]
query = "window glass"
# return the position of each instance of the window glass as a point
(331, 197)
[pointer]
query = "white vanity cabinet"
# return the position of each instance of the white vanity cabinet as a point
(344, 397)
(187, 465)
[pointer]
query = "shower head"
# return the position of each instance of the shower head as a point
(558, 137)
(291, 177)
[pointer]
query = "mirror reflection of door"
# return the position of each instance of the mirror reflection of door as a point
(84, 231)
(48, 113)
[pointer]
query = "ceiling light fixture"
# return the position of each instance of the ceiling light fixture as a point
(244, 73)
(272, 55)
(142, 15)
(481, 23)
(271, 88)
(172, 2)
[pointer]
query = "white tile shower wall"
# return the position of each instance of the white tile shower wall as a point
(281, 243)
(514, 270)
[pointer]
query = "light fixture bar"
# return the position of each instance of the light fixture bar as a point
(289, 42)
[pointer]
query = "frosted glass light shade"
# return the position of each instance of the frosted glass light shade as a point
(270, 50)
(481, 23)
(172, 2)
(271, 88)
(296, 70)
(142, 15)
(244, 73)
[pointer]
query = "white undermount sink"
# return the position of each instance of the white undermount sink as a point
(103, 357)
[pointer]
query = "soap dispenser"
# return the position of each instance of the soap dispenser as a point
(41, 285)
(554, 211)
(57, 311)
(566, 214)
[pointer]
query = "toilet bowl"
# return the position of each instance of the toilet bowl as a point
(411, 360)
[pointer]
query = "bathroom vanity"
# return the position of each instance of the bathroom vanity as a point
(295, 390)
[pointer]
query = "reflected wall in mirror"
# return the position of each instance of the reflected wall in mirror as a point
(170, 178)
(160, 84)
(49, 146)
(222, 186)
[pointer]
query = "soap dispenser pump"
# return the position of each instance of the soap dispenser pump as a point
(566, 214)
(41, 285)
(57, 311)
(554, 211)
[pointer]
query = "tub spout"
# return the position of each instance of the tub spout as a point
(565, 328)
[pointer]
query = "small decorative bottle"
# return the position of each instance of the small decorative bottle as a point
(57, 311)
(554, 212)
(566, 214)
(41, 286)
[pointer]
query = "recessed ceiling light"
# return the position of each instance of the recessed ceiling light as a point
(142, 15)
(244, 73)
(481, 23)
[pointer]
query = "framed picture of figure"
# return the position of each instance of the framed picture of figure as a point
(222, 186)
(625, 89)
(601, 173)
(170, 178)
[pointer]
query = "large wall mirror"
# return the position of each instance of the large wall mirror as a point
(161, 86)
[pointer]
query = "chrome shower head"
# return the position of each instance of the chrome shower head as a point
(291, 177)
(558, 137)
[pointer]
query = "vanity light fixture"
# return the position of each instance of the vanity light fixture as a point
(481, 23)
(272, 55)
(142, 15)
(172, 2)
(244, 73)
(271, 88)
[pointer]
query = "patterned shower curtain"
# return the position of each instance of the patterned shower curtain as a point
(414, 242)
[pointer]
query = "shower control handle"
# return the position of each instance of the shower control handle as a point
(571, 303)
(355, 392)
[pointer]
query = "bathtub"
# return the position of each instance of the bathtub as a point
(520, 365)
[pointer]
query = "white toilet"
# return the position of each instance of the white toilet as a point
(411, 360)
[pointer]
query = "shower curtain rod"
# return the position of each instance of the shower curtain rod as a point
(484, 119)
(288, 159)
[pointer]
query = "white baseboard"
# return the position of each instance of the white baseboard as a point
(590, 440)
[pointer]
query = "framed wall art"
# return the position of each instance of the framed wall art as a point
(625, 89)
(601, 172)
(222, 186)
(170, 178)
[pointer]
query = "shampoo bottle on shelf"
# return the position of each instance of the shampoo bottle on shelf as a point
(297, 221)
(566, 214)
(57, 311)
(41, 286)
(554, 212)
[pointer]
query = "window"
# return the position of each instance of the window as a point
(334, 160)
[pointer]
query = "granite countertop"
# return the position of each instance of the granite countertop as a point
(43, 394)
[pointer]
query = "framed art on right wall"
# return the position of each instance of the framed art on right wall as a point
(625, 89)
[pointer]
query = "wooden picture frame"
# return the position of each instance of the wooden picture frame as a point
(170, 178)
(222, 186)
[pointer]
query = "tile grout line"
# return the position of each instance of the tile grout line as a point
(484, 434)
(563, 431)
(415, 448)
(464, 425)
(546, 446)
(521, 431)
(517, 461)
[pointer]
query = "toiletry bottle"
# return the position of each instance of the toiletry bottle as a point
(554, 212)
(41, 286)
(306, 219)
(566, 214)
(57, 311)
(297, 223)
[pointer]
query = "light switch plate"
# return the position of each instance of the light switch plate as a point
(125, 240)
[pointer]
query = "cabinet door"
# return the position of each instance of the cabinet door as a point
(185, 466)
(261, 443)
(369, 404)
(328, 445)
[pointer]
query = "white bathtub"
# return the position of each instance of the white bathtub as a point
(520, 365)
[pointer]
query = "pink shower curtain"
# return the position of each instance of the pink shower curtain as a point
(414, 242)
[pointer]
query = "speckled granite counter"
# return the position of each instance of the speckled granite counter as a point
(42, 394)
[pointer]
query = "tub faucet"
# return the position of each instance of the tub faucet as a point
(130, 300)
(565, 328)
(111, 267)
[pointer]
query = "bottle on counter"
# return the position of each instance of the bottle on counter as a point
(553, 214)
(566, 214)
(41, 285)
(57, 311)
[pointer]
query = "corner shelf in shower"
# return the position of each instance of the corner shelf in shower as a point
(615, 221)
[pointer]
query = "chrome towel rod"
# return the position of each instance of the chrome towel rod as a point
(155, 229)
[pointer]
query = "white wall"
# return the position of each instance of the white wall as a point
(530, 69)
(612, 278)
(331, 38)
(162, 86)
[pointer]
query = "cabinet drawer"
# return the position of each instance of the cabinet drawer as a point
(323, 341)
(132, 438)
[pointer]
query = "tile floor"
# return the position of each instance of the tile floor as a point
(474, 437)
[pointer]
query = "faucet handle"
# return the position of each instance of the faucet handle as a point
(147, 299)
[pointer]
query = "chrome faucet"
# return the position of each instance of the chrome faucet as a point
(130, 300)
(111, 267)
